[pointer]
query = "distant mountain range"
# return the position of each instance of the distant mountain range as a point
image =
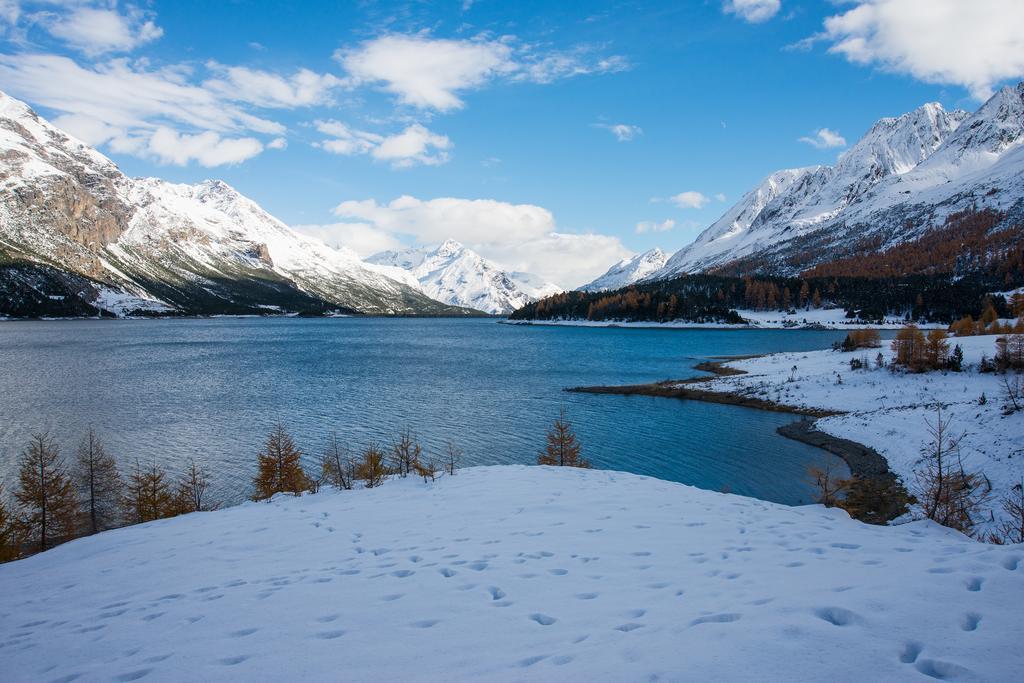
(458, 276)
(628, 270)
(78, 237)
(898, 182)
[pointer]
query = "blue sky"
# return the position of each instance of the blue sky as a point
(554, 137)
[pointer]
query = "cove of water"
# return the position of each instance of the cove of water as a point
(168, 390)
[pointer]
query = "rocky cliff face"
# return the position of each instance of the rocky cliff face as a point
(145, 245)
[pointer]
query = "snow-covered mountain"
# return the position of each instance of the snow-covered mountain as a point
(459, 276)
(903, 178)
(628, 270)
(79, 236)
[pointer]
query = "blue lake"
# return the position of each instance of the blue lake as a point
(167, 390)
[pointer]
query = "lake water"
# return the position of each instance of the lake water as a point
(212, 388)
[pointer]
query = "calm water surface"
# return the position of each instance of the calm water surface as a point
(211, 389)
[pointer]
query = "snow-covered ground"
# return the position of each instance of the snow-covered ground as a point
(889, 412)
(516, 573)
(826, 318)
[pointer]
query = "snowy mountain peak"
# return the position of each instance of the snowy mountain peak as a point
(905, 175)
(160, 245)
(628, 270)
(449, 248)
(457, 275)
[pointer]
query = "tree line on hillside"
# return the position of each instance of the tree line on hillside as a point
(969, 242)
(943, 275)
(56, 501)
(707, 298)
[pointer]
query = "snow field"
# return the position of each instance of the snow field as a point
(516, 573)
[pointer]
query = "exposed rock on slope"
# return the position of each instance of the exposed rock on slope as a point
(73, 225)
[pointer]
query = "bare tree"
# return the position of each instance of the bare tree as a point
(948, 494)
(1011, 393)
(190, 496)
(453, 460)
(100, 487)
(829, 486)
(406, 453)
(336, 466)
(1012, 529)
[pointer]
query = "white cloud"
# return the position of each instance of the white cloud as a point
(568, 260)
(265, 89)
(124, 94)
(653, 226)
(974, 44)
(364, 239)
(168, 146)
(623, 132)
(553, 66)
(471, 221)
(720, 197)
(97, 29)
(426, 72)
(144, 111)
(689, 200)
(754, 11)
(414, 145)
(825, 138)
(520, 237)
(432, 73)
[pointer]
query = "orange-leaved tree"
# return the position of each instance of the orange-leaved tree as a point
(562, 449)
(280, 466)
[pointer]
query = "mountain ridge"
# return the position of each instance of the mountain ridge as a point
(904, 177)
(74, 228)
(628, 270)
(457, 275)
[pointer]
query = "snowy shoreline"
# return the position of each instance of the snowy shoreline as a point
(889, 412)
(818, 319)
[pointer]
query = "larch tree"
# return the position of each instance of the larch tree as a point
(936, 349)
(46, 494)
(371, 469)
(563, 450)
(11, 538)
(100, 487)
(279, 467)
(148, 495)
(909, 348)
